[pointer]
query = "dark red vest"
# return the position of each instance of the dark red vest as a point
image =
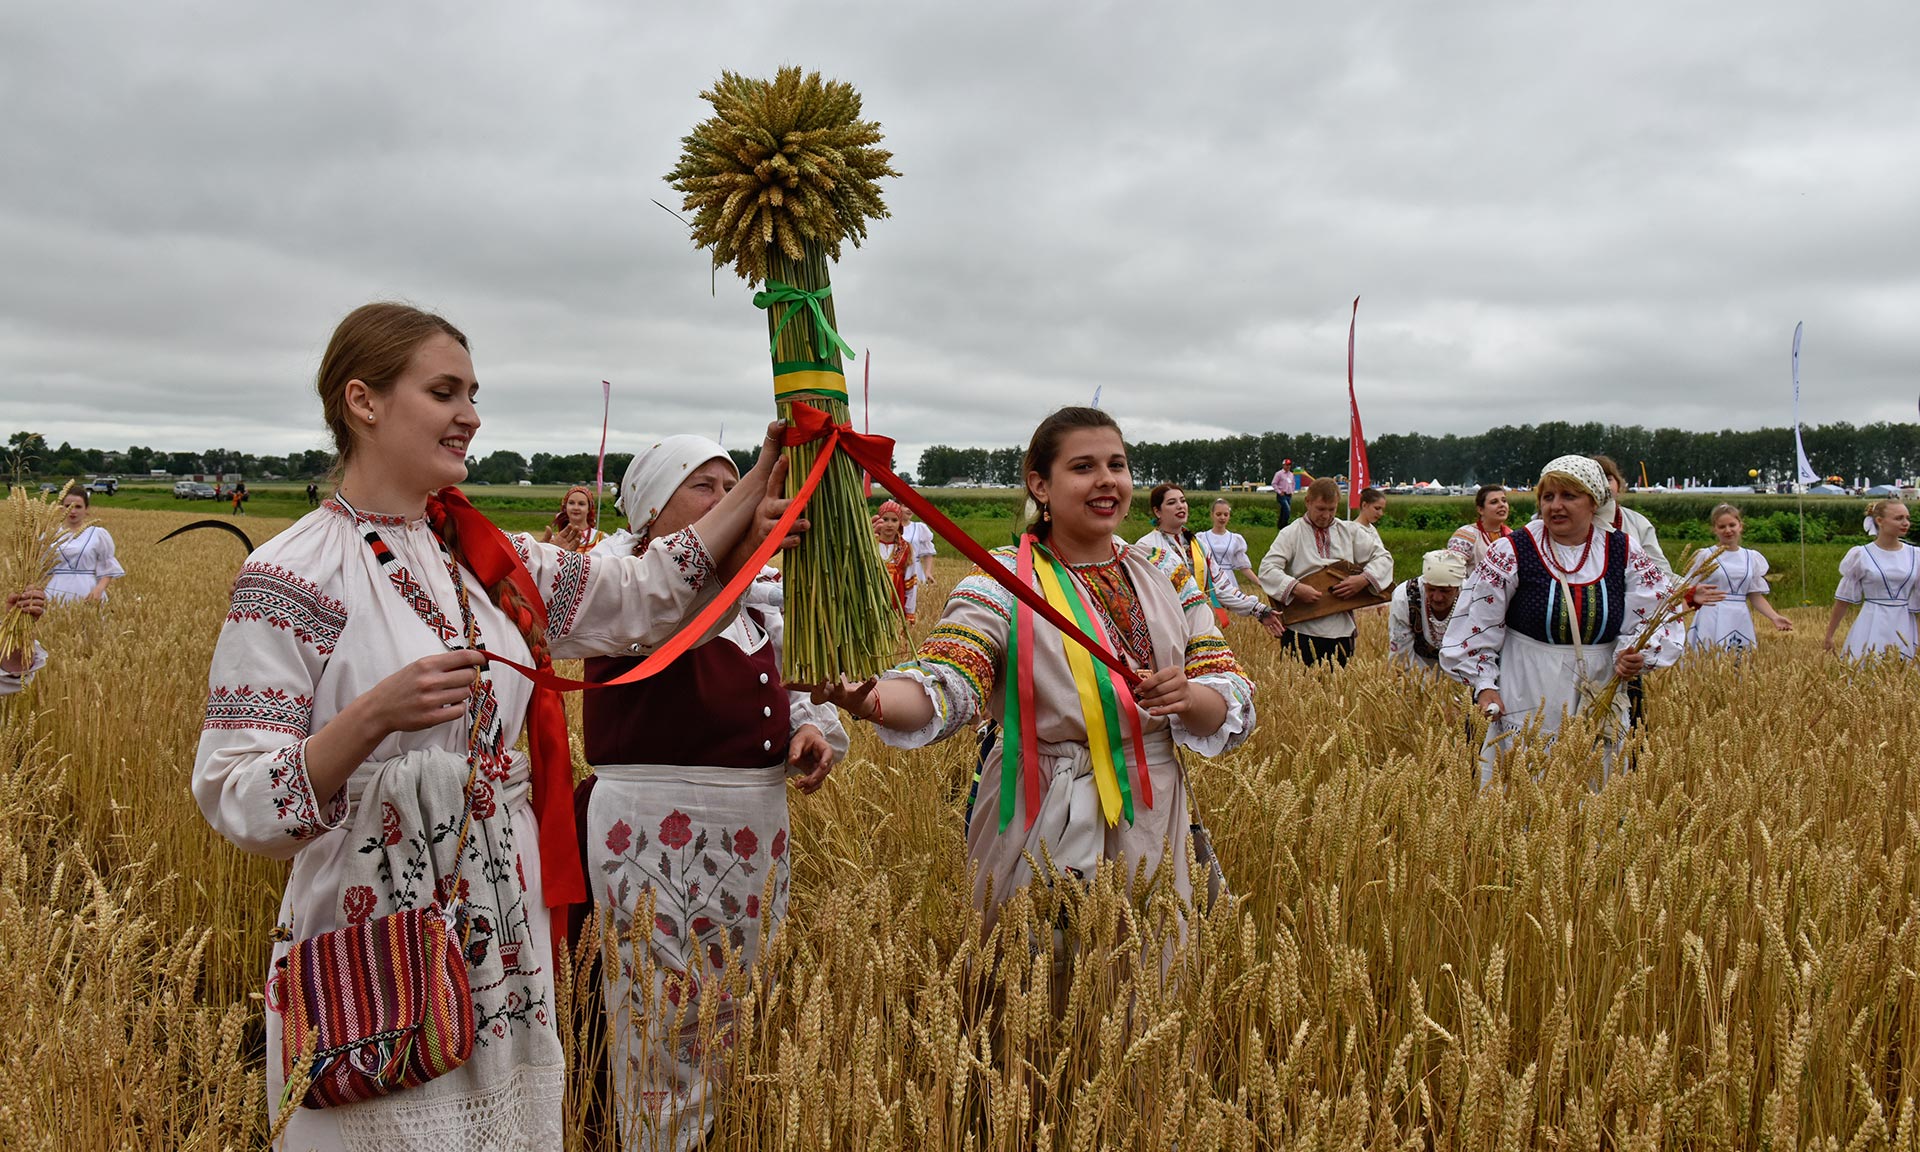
(715, 706)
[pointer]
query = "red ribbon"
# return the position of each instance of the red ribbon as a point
(875, 454)
(490, 555)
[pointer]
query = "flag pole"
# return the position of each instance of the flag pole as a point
(600, 468)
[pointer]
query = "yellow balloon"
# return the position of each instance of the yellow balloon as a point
(1753, 473)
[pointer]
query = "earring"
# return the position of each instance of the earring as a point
(1046, 514)
(369, 417)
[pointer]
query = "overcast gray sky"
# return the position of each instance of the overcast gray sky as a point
(1611, 212)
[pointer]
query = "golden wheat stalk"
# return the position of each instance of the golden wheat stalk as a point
(27, 557)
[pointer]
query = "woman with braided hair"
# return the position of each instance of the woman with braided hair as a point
(349, 709)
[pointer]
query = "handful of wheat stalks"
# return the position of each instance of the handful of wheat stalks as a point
(1675, 605)
(27, 556)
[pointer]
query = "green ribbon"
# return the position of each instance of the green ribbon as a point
(825, 338)
(1010, 725)
(1103, 680)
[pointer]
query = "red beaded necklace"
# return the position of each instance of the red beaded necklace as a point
(1553, 559)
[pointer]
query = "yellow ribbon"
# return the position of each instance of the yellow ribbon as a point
(1085, 683)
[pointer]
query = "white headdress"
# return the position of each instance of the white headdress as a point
(1443, 568)
(1587, 472)
(657, 473)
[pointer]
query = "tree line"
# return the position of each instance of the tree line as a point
(1507, 454)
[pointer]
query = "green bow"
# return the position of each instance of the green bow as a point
(778, 293)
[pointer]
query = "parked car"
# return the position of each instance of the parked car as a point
(192, 490)
(104, 486)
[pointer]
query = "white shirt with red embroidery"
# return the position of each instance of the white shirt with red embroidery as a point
(315, 621)
(1477, 631)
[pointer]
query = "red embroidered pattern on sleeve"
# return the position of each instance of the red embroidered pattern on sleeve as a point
(520, 546)
(264, 710)
(568, 589)
(292, 794)
(271, 595)
(690, 557)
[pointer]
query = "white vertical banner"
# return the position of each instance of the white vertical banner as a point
(1800, 452)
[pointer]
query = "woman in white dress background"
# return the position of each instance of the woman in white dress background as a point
(1883, 578)
(86, 561)
(1554, 611)
(347, 699)
(1735, 590)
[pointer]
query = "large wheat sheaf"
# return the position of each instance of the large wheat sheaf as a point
(781, 162)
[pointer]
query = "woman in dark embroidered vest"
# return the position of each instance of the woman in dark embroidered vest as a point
(1549, 615)
(688, 802)
(348, 709)
(1417, 618)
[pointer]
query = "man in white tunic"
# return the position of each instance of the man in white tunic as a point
(1310, 544)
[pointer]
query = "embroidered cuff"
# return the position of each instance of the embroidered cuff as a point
(954, 705)
(291, 791)
(1237, 691)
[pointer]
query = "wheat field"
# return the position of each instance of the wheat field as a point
(1721, 949)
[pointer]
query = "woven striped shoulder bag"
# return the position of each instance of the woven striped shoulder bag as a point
(383, 1005)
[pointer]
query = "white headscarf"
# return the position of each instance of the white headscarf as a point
(1443, 568)
(1590, 476)
(657, 473)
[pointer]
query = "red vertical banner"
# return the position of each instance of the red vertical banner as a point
(1357, 475)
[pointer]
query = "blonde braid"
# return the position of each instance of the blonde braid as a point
(506, 596)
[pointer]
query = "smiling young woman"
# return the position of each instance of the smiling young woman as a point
(1151, 613)
(348, 709)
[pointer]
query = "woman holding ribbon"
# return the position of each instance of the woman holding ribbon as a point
(353, 722)
(1882, 576)
(691, 762)
(1086, 760)
(1168, 503)
(1555, 611)
(573, 526)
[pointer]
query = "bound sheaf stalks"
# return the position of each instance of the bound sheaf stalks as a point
(783, 171)
(1717, 950)
(27, 557)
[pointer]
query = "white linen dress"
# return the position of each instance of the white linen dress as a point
(85, 556)
(1729, 624)
(1886, 585)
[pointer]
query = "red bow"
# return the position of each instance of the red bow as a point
(490, 555)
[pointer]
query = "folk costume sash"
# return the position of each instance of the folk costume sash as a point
(486, 551)
(1198, 557)
(1104, 700)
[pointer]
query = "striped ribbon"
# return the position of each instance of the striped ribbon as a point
(1104, 700)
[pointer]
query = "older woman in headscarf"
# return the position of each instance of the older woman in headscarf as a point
(1417, 618)
(688, 802)
(1553, 612)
